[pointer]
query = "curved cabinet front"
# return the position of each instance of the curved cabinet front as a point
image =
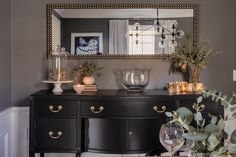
(108, 121)
(106, 135)
(123, 135)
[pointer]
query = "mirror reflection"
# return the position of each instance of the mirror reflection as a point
(120, 31)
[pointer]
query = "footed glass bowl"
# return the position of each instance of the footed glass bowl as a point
(135, 80)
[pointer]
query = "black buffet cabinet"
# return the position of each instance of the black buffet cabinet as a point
(109, 121)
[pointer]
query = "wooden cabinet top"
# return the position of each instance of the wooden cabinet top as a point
(111, 95)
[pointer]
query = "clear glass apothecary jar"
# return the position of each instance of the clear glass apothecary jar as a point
(58, 64)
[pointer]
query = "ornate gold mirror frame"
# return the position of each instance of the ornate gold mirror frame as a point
(50, 8)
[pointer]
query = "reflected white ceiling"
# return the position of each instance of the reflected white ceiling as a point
(124, 13)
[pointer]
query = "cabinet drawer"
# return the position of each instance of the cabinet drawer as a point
(55, 108)
(55, 133)
(126, 108)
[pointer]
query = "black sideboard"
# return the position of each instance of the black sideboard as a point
(109, 121)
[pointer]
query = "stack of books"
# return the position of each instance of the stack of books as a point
(90, 88)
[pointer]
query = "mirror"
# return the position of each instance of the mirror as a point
(116, 31)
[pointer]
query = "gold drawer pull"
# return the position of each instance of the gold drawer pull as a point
(59, 108)
(92, 108)
(163, 109)
(59, 133)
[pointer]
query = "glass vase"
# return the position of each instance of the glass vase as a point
(194, 75)
(58, 64)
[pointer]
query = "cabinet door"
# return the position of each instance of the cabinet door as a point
(106, 135)
(143, 134)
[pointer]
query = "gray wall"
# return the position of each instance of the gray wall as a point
(29, 64)
(5, 61)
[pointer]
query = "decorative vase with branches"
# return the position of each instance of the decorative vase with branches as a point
(191, 58)
(86, 71)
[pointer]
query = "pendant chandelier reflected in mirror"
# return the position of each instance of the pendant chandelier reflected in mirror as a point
(164, 31)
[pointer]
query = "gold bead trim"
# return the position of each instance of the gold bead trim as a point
(50, 7)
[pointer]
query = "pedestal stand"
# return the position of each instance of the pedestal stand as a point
(57, 85)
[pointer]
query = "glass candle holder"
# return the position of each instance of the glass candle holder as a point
(184, 86)
(190, 87)
(199, 87)
(58, 64)
(170, 87)
(177, 87)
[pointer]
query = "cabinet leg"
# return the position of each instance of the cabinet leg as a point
(77, 154)
(41, 154)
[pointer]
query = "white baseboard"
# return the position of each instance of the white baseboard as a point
(5, 133)
(14, 124)
(20, 131)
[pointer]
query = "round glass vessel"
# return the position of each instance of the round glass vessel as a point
(135, 79)
(58, 64)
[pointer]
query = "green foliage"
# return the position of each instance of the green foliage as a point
(213, 142)
(207, 137)
(88, 69)
(232, 149)
(196, 136)
(233, 137)
(188, 56)
(185, 114)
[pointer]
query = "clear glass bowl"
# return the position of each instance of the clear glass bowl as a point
(135, 80)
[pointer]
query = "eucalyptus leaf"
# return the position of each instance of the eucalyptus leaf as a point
(185, 114)
(204, 94)
(211, 128)
(221, 124)
(230, 100)
(168, 114)
(198, 116)
(234, 114)
(222, 150)
(199, 99)
(212, 142)
(195, 106)
(174, 113)
(226, 105)
(233, 108)
(209, 93)
(232, 149)
(213, 119)
(213, 97)
(195, 137)
(214, 154)
(214, 92)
